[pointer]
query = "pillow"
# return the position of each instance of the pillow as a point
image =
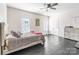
(19, 33)
(10, 36)
(15, 34)
(37, 33)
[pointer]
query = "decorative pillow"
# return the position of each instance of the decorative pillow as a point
(10, 36)
(37, 33)
(15, 34)
(19, 33)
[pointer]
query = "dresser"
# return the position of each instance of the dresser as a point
(71, 33)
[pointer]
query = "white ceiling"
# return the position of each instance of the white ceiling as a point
(36, 7)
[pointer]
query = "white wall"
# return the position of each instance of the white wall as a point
(59, 20)
(3, 12)
(14, 19)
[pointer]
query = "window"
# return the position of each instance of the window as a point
(25, 24)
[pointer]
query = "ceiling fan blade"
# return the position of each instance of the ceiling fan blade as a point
(54, 4)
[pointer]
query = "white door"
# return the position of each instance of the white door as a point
(1, 37)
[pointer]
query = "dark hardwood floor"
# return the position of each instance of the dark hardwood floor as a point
(53, 46)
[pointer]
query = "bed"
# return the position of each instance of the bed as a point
(25, 41)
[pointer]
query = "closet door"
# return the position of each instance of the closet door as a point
(1, 37)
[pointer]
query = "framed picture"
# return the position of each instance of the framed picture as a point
(37, 22)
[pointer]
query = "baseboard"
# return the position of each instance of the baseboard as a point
(54, 35)
(47, 34)
(57, 35)
(70, 39)
(64, 38)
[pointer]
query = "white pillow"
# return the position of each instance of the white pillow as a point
(10, 36)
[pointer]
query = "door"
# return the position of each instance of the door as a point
(1, 37)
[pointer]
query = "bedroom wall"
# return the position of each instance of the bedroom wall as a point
(3, 13)
(14, 19)
(58, 21)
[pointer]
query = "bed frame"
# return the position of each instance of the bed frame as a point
(20, 48)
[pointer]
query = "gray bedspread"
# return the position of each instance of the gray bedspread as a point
(14, 43)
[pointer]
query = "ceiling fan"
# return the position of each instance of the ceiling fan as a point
(50, 6)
